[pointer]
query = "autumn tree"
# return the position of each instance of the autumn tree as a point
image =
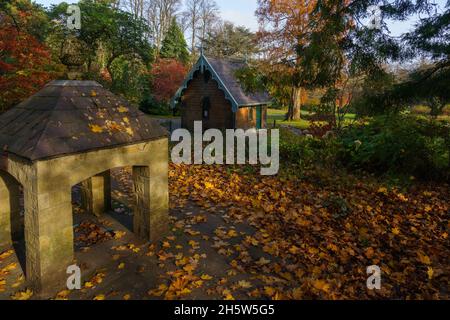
(25, 62)
(166, 77)
(174, 45)
(339, 38)
(26, 16)
(24, 65)
(283, 26)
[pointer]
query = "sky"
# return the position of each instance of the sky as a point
(242, 12)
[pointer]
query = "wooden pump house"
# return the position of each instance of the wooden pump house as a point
(211, 93)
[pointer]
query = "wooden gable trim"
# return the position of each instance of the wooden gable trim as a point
(228, 95)
(203, 65)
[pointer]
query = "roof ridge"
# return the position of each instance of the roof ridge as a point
(231, 59)
(73, 83)
(46, 124)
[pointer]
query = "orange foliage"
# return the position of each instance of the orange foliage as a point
(284, 22)
(23, 61)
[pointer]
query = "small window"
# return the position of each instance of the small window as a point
(206, 76)
(206, 105)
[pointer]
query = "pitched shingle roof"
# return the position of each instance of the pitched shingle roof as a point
(226, 70)
(68, 117)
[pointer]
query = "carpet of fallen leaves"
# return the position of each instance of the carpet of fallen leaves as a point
(320, 236)
(88, 234)
(239, 235)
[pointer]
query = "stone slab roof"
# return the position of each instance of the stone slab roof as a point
(69, 117)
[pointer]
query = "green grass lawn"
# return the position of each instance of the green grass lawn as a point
(279, 115)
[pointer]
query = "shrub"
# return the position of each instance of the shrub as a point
(422, 110)
(399, 145)
(307, 151)
(446, 110)
(152, 106)
(320, 129)
(128, 78)
(395, 146)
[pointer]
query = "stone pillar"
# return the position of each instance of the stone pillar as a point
(48, 233)
(151, 214)
(96, 194)
(10, 220)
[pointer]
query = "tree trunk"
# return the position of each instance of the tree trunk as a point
(108, 67)
(290, 112)
(296, 103)
(288, 116)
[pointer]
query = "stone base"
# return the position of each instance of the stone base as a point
(96, 194)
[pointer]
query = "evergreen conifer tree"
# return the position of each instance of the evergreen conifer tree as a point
(174, 45)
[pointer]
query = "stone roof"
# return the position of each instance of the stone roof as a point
(69, 117)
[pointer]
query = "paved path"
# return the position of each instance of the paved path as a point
(116, 265)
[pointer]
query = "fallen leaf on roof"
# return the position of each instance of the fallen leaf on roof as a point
(96, 128)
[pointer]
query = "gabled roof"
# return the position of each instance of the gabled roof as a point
(223, 71)
(68, 117)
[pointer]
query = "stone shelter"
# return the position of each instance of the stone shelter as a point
(68, 133)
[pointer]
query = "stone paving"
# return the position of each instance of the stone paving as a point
(115, 264)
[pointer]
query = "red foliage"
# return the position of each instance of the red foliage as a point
(23, 62)
(104, 73)
(167, 75)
